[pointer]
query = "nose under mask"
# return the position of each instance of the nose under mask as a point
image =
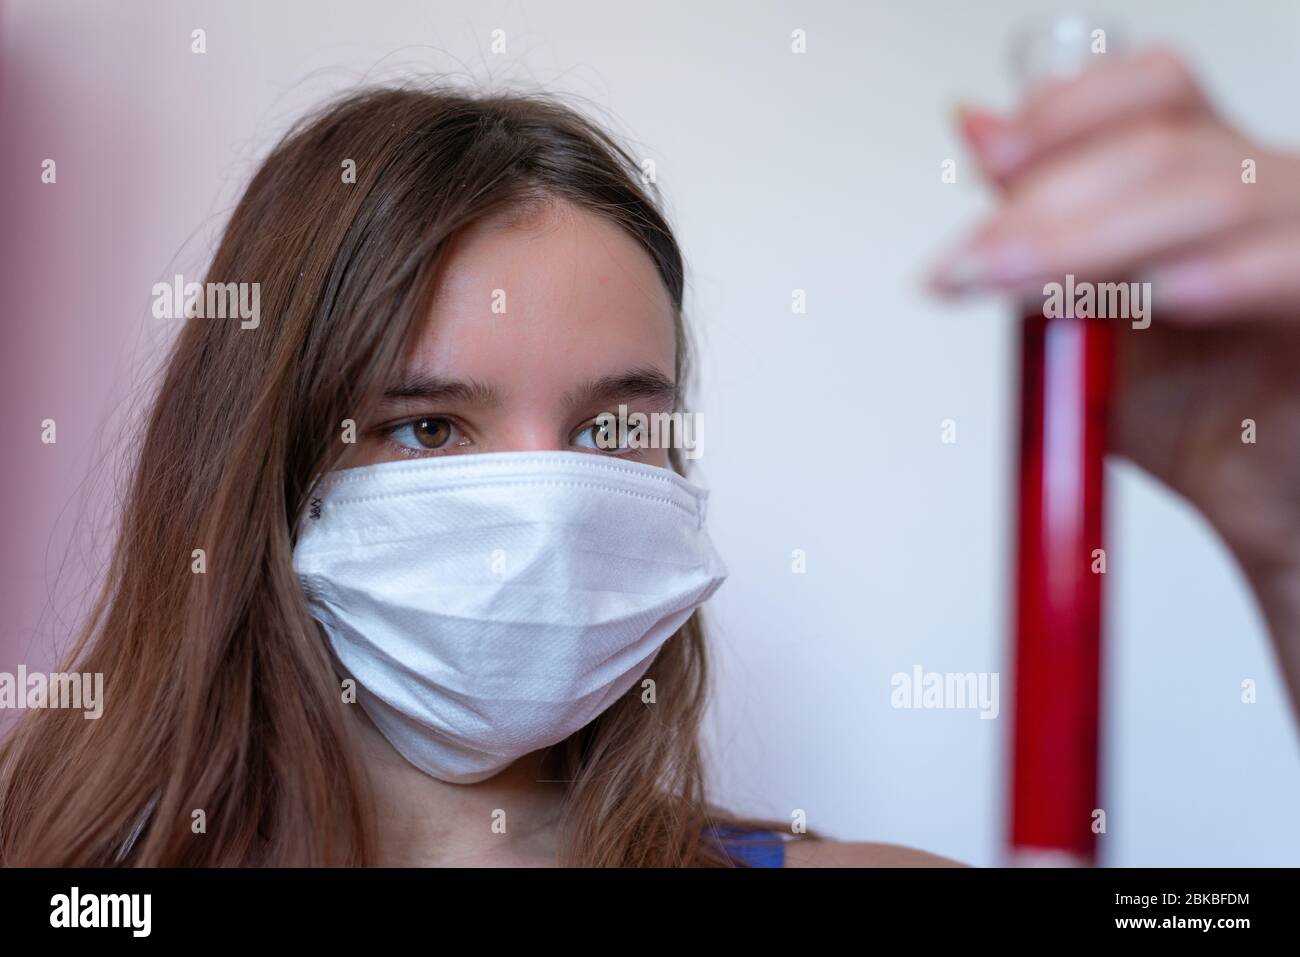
(489, 605)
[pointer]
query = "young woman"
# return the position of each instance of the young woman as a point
(388, 590)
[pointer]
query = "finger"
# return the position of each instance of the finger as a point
(1104, 95)
(982, 131)
(1253, 275)
(1104, 172)
(1021, 246)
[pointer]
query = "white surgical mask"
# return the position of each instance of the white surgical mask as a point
(489, 605)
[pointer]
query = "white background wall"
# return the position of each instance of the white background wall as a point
(818, 172)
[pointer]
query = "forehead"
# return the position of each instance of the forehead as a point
(562, 295)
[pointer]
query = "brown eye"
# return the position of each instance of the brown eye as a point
(423, 434)
(432, 433)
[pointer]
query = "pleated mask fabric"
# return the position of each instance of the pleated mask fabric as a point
(488, 605)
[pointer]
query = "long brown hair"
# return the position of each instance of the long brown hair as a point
(220, 693)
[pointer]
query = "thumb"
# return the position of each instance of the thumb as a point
(992, 139)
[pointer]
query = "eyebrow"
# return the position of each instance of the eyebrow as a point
(640, 383)
(421, 385)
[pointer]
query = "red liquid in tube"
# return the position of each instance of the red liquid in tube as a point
(1066, 374)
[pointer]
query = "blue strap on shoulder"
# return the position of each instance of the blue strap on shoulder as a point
(755, 848)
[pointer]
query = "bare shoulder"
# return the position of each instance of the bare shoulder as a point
(814, 853)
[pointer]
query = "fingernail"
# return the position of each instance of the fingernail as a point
(1004, 150)
(961, 272)
(993, 137)
(1006, 264)
(976, 124)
